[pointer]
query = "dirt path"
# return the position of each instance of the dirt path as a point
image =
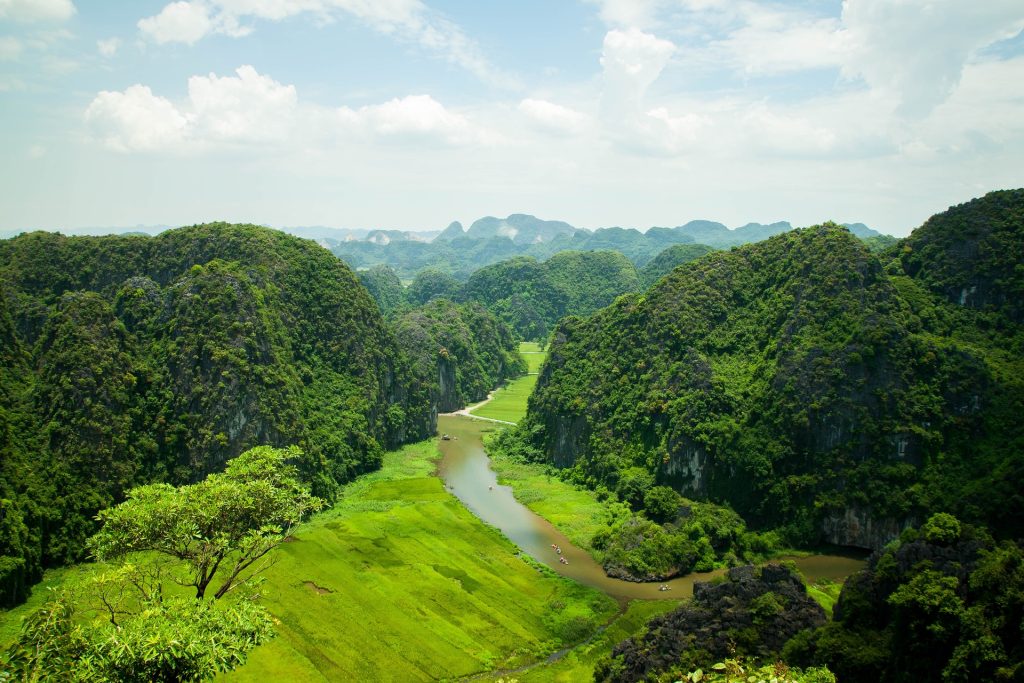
(465, 412)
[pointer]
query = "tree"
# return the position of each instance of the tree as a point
(223, 525)
(661, 504)
(173, 639)
(125, 624)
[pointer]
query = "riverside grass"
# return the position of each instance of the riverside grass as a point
(579, 663)
(509, 402)
(399, 581)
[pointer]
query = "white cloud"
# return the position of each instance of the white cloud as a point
(772, 41)
(416, 117)
(246, 108)
(178, 22)
(627, 13)
(108, 47)
(917, 52)
(10, 48)
(250, 108)
(411, 21)
(37, 10)
(136, 120)
(632, 60)
(786, 134)
(553, 117)
(241, 109)
(674, 134)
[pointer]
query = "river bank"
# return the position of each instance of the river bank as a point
(467, 472)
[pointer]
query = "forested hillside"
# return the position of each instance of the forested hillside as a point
(531, 296)
(808, 385)
(665, 262)
(127, 360)
(459, 352)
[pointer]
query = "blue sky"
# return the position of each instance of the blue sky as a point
(413, 113)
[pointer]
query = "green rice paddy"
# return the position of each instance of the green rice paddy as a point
(400, 582)
(509, 402)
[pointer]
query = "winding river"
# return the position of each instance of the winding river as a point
(465, 469)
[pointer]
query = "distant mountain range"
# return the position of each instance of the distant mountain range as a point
(519, 227)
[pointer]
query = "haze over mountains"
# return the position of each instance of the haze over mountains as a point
(520, 228)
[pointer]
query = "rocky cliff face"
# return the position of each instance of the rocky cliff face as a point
(458, 352)
(753, 612)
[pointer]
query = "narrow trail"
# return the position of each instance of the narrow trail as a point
(465, 412)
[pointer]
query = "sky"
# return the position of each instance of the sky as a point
(409, 114)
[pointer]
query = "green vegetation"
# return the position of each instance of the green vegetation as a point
(665, 262)
(458, 352)
(366, 591)
(575, 511)
(751, 613)
(430, 284)
(509, 402)
(933, 606)
(534, 359)
(685, 536)
(743, 671)
(826, 593)
(384, 286)
(805, 385)
(579, 663)
(132, 360)
(217, 532)
(129, 622)
(531, 295)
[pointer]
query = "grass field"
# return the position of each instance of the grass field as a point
(826, 594)
(533, 354)
(400, 582)
(578, 664)
(509, 402)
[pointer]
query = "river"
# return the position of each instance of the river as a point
(466, 471)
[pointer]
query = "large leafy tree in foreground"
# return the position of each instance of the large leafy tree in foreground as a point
(221, 528)
(127, 623)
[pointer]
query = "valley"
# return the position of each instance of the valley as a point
(597, 481)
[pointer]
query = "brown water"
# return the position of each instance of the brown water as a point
(465, 468)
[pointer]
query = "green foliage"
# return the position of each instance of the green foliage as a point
(531, 295)
(942, 528)
(133, 360)
(430, 284)
(219, 529)
(669, 259)
(931, 607)
(803, 384)
(384, 286)
(125, 624)
(458, 352)
(173, 639)
(661, 504)
(743, 671)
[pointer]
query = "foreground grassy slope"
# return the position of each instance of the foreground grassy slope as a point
(400, 582)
